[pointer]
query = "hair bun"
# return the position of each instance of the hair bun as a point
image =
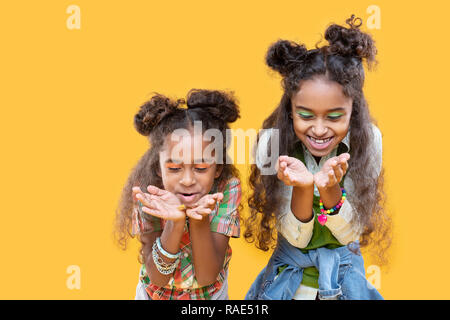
(222, 105)
(283, 56)
(153, 111)
(351, 41)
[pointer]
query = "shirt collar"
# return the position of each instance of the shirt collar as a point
(346, 140)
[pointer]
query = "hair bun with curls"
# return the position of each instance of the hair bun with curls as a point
(219, 104)
(351, 41)
(153, 111)
(284, 56)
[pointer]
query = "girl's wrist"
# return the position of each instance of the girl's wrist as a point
(329, 189)
(177, 225)
(331, 195)
(203, 221)
(306, 186)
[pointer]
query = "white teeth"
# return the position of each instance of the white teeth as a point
(320, 141)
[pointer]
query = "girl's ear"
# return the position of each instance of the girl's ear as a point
(158, 172)
(219, 169)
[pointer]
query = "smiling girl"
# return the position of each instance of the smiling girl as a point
(324, 201)
(182, 202)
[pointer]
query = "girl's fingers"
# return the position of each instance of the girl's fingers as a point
(217, 196)
(143, 199)
(191, 213)
(280, 175)
(319, 180)
(148, 200)
(135, 191)
(331, 178)
(156, 191)
(289, 160)
(344, 167)
(344, 157)
(338, 173)
(203, 211)
(154, 213)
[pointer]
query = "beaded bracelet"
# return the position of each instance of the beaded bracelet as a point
(322, 218)
(164, 252)
(162, 266)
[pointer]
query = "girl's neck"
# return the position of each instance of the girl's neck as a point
(317, 159)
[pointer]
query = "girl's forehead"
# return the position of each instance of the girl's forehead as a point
(187, 149)
(319, 94)
(174, 139)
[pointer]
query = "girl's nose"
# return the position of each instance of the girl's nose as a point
(319, 130)
(187, 178)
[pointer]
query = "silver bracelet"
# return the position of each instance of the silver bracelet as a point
(164, 252)
(162, 266)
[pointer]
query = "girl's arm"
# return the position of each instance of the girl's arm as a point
(159, 203)
(208, 251)
(210, 235)
(295, 222)
(170, 241)
(340, 224)
(302, 204)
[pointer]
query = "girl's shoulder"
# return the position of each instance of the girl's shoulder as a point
(377, 136)
(232, 183)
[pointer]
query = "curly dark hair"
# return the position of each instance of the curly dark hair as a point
(159, 117)
(340, 61)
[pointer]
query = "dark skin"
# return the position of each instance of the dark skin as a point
(180, 178)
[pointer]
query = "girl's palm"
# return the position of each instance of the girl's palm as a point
(332, 171)
(293, 172)
(161, 203)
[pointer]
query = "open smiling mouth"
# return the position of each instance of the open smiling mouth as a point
(320, 143)
(187, 197)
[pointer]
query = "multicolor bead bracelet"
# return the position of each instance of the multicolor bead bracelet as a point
(322, 218)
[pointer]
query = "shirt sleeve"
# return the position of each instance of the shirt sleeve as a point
(340, 224)
(142, 223)
(225, 217)
(297, 233)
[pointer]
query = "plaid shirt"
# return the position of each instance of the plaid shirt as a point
(183, 285)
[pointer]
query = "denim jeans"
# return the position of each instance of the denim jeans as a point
(341, 274)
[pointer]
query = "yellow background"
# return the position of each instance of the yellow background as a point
(68, 98)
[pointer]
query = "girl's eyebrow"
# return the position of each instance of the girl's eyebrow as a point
(196, 161)
(203, 160)
(329, 110)
(173, 161)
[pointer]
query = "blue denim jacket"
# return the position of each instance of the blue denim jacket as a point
(341, 274)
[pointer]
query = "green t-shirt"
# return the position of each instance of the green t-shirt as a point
(321, 236)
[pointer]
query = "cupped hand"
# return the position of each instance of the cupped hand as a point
(160, 203)
(293, 172)
(204, 206)
(332, 172)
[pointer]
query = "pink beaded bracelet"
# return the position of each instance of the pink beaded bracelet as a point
(322, 218)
